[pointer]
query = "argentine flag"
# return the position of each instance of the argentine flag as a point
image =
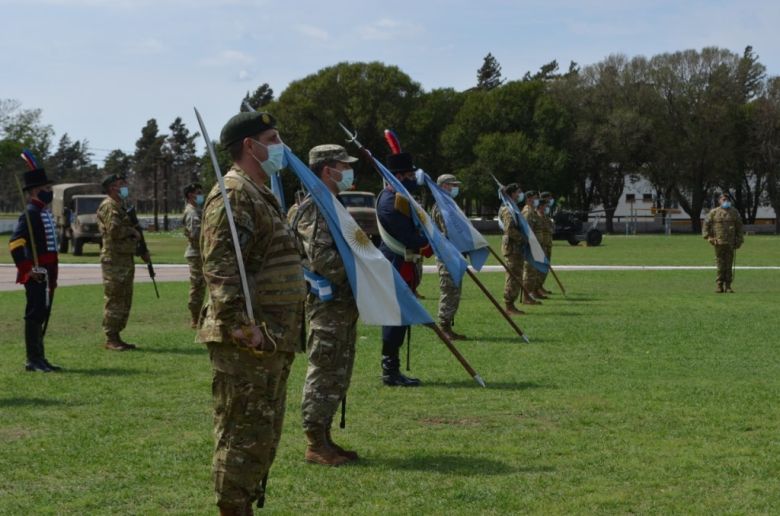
(532, 249)
(460, 231)
(382, 297)
(276, 189)
(442, 248)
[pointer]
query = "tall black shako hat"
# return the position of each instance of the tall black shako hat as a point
(35, 175)
(400, 163)
(244, 125)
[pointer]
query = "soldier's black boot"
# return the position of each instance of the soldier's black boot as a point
(33, 343)
(391, 373)
(719, 288)
(51, 366)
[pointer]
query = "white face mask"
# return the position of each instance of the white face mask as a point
(454, 192)
(536, 203)
(347, 178)
(275, 161)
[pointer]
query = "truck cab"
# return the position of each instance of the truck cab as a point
(75, 214)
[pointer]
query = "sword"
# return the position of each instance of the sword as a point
(229, 213)
(37, 269)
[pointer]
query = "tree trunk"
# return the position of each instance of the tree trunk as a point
(609, 214)
(154, 201)
(165, 196)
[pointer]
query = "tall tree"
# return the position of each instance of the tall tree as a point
(764, 157)
(147, 164)
(117, 162)
(72, 162)
(260, 97)
(181, 160)
(489, 74)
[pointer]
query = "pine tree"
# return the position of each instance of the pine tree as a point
(262, 96)
(489, 75)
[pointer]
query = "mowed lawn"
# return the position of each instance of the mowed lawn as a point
(641, 392)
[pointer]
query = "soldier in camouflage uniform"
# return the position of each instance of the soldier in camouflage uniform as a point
(546, 238)
(449, 292)
(120, 244)
(250, 363)
(512, 248)
(193, 195)
(723, 229)
(531, 276)
(332, 320)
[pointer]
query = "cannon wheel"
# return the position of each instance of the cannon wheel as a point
(593, 237)
(573, 240)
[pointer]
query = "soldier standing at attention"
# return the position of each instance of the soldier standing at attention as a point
(548, 217)
(36, 280)
(332, 316)
(120, 243)
(723, 229)
(536, 224)
(250, 363)
(193, 195)
(546, 238)
(449, 292)
(402, 244)
(512, 248)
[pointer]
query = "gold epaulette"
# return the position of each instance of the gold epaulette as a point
(402, 205)
(16, 244)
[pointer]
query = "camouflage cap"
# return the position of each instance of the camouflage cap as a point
(329, 152)
(531, 193)
(244, 125)
(447, 179)
(545, 195)
(111, 178)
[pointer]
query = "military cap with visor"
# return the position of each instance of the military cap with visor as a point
(246, 124)
(447, 179)
(329, 152)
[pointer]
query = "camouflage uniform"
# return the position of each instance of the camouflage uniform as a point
(532, 277)
(249, 387)
(512, 248)
(332, 324)
(546, 241)
(449, 292)
(116, 262)
(191, 224)
(723, 229)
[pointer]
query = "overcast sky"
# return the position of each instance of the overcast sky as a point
(99, 69)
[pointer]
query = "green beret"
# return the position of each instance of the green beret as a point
(192, 187)
(111, 178)
(511, 188)
(244, 125)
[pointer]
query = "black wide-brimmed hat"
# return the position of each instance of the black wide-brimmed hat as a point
(34, 178)
(400, 163)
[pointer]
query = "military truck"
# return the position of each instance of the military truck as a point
(75, 214)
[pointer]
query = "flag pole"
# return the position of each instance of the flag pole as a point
(497, 305)
(503, 264)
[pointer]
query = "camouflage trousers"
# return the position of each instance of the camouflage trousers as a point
(249, 396)
(197, 286)
(449, 295)
(512, 285)
(532, 278)
(331, 350)
(724, 259)
(118, 273)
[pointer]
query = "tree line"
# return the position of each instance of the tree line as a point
(692, 123)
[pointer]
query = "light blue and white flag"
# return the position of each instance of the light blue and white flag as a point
(532, 249)
(460, 231)
(278, 191)
(442, 248)
(382, 297)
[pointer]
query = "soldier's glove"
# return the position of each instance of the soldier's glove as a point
(427, 251)
(255, 338)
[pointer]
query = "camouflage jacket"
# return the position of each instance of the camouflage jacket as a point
(513, 240)
(546, 231)
(191, 224)
(723, 225)
(119, 237)
(271, 259)
(321, 256)
(438, 219)
(535, 221)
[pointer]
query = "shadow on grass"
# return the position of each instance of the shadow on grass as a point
(103, 371)
(507, 386)
(29, 402)
(458, 465)
(196, 349)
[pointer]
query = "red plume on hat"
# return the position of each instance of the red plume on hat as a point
(392, 141)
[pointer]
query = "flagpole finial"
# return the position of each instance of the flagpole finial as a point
(352, 136)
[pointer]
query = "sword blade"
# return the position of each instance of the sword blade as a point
(229, 213)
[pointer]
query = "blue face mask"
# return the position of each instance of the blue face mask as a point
(275, 161)
(546, 210)
(199, 199)
(726, 205)
(520, 198)
(536, 203)
(454, 192)
(551, 202)
(124, 192)
(347, 178)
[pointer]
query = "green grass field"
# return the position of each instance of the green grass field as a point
(642, 392)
